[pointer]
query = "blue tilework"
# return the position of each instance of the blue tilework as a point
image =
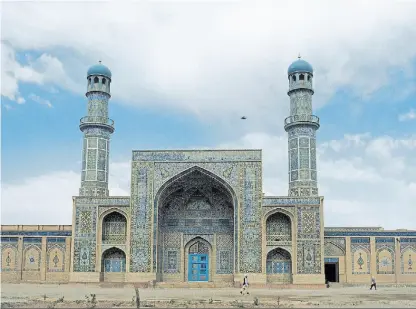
(360, 240)
(384, 240)
(36, 233)
(9, 239)
(364, 233)
(331, 260)
(33, 240)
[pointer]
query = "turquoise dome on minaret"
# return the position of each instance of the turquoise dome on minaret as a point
(300, 65)
(99, 69)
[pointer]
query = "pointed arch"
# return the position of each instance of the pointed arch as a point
(113, 260)
(198, 246)
(279, 266)
(193, 191)
(163, 190)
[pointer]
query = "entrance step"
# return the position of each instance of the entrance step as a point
(193, 284)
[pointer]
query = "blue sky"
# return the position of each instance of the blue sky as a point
(179, 87)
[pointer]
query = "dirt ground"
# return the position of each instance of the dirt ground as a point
(91, 296)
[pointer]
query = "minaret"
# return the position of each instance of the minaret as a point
(301, 127)
(97, 128)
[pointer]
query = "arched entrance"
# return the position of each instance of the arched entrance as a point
(279, 266)
(113, 261)
(198, 261)
(196, 204)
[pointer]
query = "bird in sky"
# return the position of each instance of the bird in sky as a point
(244, 117)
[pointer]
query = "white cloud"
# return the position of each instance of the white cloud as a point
(360, 188)
(40, 100)
(43, 70)
(47, 199)
(221, 57)
(411, 115)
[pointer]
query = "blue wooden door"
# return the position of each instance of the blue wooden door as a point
(114, 265)
(198, 269)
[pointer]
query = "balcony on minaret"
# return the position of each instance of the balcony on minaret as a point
(96, 121)
(301, 119)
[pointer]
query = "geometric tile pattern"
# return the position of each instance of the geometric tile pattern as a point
(309, 240)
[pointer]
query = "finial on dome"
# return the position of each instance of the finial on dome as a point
(299, 56)
(99, 61)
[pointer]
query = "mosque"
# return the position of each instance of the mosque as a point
(200, 218)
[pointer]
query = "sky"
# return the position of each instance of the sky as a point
(183, 75)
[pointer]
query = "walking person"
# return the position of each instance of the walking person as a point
(373, 283)
(244, 288)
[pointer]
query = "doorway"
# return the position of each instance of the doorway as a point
(198, 267)
(331, 272)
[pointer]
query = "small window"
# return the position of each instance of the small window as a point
(103, 81)
(309, 77)
(89, 81)
(301, 77)
(96, 80)
(294, 78)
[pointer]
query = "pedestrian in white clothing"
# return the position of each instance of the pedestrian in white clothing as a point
(244, 288)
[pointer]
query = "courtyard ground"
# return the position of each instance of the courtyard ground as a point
(90, 296)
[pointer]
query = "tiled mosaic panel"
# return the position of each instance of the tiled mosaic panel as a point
(309, 222)
(9, 253)
(85, 235)
(309, 257)
(408, 256)
(228, 171)
(360, 255)
(225, 253)
(283, 201)
(250, 216)
(141, 216)
(309, 240)
(278, 226)
(171, 252)
(98, 104)
(201, 156)
(301, 102)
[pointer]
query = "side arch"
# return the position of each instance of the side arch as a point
(270, 246)
(55, 258)
(385, 263)
(113, 261)
(32, 258)
(279, 266)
